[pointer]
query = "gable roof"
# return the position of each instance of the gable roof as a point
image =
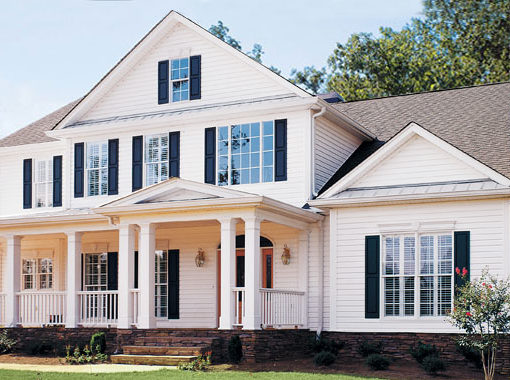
(475, 120)
(34, 133)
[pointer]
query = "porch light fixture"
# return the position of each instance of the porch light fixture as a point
(200, 258)
(286, 255)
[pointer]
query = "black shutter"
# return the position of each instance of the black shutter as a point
(173, 284)
(113, 269)
(163, 77)
(79, 169)
(174, 154)
(137, 163)
(280, 150)
(195, 77)
(27, 183)
(113, 167)
(135, 285)
(372, 258)
(462, 247)
(210, 156)
(57, 181)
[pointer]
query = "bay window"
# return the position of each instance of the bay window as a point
(97, 168)
(417, 275)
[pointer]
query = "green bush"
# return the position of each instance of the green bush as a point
(367, 348)
(422, 350)
(6, 344)
(85, 356)
(199, 364)
(377, 362)
(471, 354)
(324, 358)
(433, 364)
(235, 349)
(98, 342)
(319, 344)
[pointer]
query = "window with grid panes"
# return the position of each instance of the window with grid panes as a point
(43, 183)
(97, 168)
(417, 275)
(96, 271)
(161, 284)
(179, 75)
(37, 274)
(156, 159)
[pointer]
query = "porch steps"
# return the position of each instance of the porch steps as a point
(151, 359)
(164, 350)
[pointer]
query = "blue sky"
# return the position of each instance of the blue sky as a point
(54, 51)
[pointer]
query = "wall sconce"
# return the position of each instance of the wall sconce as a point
(200, 258)
(286, 255)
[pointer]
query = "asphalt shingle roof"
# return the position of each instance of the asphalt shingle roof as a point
(34, 132)
(475, 120)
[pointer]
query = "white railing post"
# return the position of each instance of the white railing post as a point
(73, 278)
(135, 302)
(252, 265)
(146, 257)
(227, 263)
(126, 274)
(239, 314)
(2, 309)
(282, 307)
(12, 280)
(304, 246)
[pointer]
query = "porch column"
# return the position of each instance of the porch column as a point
(73, 278)
(126, 274)
(228, 272)
(304, 248)
(12, 280)
(146, 257)
(252, 265)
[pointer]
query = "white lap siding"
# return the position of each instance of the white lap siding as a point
(487, 220)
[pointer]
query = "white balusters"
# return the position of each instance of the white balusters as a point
(98, 308)
(239, 303)
(282, 308)
(40, 308)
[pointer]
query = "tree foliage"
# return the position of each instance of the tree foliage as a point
(482, 311)
(456, 43)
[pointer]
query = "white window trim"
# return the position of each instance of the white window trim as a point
(171, 81)
(229, 155)
(36, 274)
(84, 280)
(86, 173)
(144, 153)
(49, 196)
(416, 276)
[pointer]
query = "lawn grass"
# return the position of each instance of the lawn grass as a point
(173, 375)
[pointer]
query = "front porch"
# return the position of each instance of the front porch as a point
(150, 263)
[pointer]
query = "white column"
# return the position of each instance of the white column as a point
(146, 257)
(126, 274)
(228, 272)
(304, 247)
(12, 280)
(73, 278)
(252, 263)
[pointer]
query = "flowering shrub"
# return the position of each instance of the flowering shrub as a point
(482, 310)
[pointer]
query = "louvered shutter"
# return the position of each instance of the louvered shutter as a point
(280, 150)
(174, 154)
(79, 169)
(137, 163)
(27, 183)
(195, 77)
(372, 276)
(210, 156)
(57, 181)
(163, 82)
(113, 167)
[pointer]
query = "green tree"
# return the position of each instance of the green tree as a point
(457, 43)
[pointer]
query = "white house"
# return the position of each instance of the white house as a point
(194, 188)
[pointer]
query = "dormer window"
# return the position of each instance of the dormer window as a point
(180, 79)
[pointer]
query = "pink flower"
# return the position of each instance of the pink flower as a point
(457, 270)
(483, 283)
(490, 286)
(464, 271)
(468, 314)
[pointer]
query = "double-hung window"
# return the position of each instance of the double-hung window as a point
(96, 271)
(245, 153)
(417, 274)
(161, 284)
(179, 75)
(97, 168)
(156, 159)
(37, 274)
(43, 183)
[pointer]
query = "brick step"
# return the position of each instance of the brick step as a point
(166, 350)
(151, 359)
(174, 341)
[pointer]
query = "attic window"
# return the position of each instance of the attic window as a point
(180, 79)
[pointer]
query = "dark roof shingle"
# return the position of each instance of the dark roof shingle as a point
(34, 132)
(475, 120)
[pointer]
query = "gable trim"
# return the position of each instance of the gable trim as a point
(411, 130)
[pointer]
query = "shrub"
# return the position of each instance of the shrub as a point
(6, 344)
(433, 364)
(320, 344)
(199, 364)
(377, 362)
(471, 354)
(324, 358)
(235, 349)
(98, 342)
(84, 357)
(367, 348)
(422, 350)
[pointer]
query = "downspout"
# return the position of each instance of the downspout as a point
(321, 278)
(312, 150)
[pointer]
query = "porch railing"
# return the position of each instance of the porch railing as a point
(135, 298)
(2, 309)
(41, 308)
(282, 307)
(99, 308)
(239, 305)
